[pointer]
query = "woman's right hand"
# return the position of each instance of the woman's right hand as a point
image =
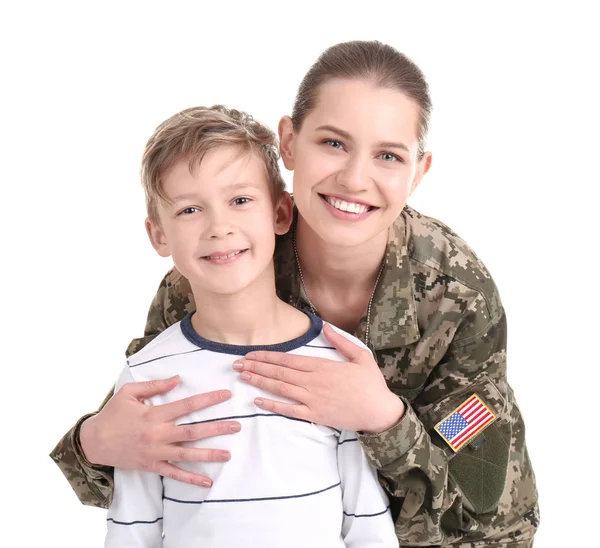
(128, 434)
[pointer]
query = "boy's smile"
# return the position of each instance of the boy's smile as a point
(219, 222)
(225, 257)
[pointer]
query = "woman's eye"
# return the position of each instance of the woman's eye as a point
(389, 157)
(334, 144)
(241, 201)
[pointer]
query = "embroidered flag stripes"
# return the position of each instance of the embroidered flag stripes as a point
(465, 422)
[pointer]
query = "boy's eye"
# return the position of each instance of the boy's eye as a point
(241, 200)
(389, 157)
(334, 143)
(188, 210)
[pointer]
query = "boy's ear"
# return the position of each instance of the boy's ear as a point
(284, 214)
(157, 238)
(422, 168)
(286, 142)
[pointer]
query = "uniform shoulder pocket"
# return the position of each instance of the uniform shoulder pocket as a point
(478, 467)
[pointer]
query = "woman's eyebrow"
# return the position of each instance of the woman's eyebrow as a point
(389, 144)
(338, 131)
(348, 137)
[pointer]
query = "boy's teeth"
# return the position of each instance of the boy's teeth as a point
(224, 256)
(347, 206)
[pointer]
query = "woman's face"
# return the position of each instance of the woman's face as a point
(355, 160)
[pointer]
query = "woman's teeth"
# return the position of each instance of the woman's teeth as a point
(347, 206)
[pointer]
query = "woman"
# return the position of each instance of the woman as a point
(435, 413)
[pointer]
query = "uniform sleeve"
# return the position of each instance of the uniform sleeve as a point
(438, 494)
(367, 519)
(93, 484)
(135, 515)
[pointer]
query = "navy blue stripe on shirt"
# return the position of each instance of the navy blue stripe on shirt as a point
(366, 515)
(346, 441)
(316, 325)
(132, 522)
(326, 347)
(245, 417)
(260, 499)
(167, 356)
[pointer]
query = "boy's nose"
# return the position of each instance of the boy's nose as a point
(218, 227)
(219, 231)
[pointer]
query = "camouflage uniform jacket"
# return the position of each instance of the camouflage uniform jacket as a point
(438, 331)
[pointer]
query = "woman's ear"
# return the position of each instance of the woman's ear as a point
(286, 142)
(157, 238)
(284, 213)
(422, 168)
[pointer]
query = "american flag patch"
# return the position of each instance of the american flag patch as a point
(465, 422)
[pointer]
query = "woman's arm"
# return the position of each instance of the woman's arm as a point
(485, 490)
(93, 483)
(130, 435)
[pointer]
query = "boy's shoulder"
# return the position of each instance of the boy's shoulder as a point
(170, 341)
(320, 344)
(348, 336)
(434, 248)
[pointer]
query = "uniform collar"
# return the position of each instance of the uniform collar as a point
(393, 313)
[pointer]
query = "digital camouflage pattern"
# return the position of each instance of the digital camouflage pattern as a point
(438, 331)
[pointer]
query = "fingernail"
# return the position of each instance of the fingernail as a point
(259, 401)
(250, 356)
(225, 394)
(224, 456)
(206, 483)
(238, 366)
(245, 376)
(235, 427)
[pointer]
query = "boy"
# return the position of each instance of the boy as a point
(215, 202)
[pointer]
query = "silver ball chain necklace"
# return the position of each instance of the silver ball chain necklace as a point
(312, 306)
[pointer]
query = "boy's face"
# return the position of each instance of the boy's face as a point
(220, 223)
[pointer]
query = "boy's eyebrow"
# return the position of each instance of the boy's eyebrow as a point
(232, 186)
(348, 137)
(182, 197)
(237, 186)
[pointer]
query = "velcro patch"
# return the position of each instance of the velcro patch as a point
(469, 419)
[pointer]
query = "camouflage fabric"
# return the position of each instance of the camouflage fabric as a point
(438, 331)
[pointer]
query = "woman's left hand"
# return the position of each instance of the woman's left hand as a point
(349, 395)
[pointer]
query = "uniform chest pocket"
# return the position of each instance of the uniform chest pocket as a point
(478, 466)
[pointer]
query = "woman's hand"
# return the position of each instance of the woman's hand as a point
(352, 395)
(128, 434)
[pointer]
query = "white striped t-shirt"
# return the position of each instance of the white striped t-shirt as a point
(289, 483)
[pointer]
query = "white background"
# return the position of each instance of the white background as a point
(515, 147)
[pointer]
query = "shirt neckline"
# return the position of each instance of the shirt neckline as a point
(316, 326)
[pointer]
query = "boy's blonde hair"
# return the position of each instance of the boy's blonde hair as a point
(191, 133)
